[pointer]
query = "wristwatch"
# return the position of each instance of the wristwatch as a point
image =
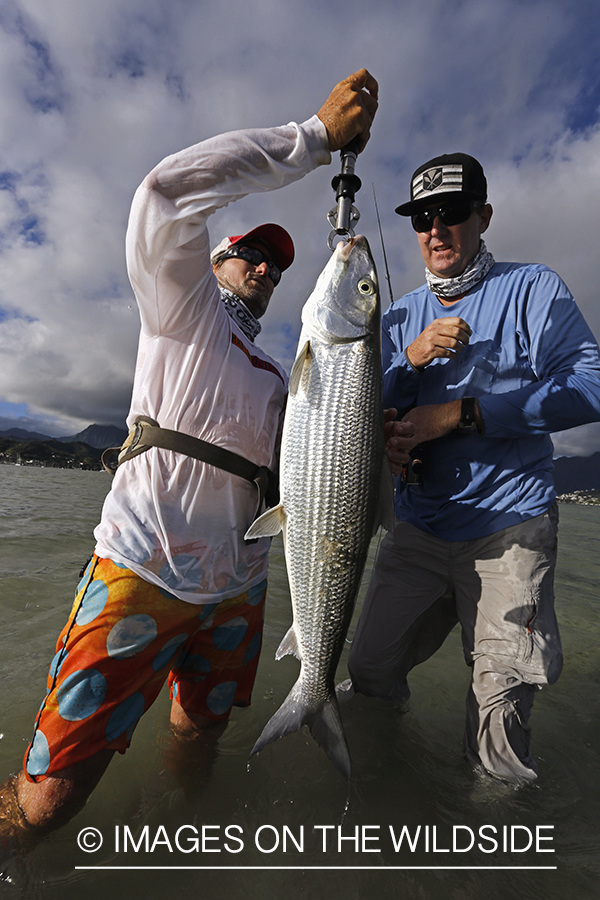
(468, 421)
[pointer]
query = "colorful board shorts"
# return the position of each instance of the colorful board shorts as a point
(124, 637)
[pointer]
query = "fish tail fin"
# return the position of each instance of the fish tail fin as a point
(327, 730)
(325, 726)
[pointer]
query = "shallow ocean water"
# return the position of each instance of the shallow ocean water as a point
(288, 822)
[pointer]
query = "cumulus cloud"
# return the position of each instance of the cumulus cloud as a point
(95, 94)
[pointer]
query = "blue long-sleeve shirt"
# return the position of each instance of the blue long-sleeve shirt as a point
(534, 365)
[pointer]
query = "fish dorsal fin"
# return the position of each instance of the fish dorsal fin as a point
(296, 373)
(268, 525)
(289, 646)
(384, 510)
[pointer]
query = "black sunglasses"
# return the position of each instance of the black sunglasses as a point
(453, 213)
(254, 256)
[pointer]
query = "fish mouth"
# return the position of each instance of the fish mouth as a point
(347, 246)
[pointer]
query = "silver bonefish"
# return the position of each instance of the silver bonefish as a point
(336, 487)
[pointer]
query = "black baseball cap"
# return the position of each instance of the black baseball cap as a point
(445, 177)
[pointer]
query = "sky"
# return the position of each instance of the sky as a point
(95, 94)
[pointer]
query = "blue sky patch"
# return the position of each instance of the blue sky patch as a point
(27, 189)
(43, 89)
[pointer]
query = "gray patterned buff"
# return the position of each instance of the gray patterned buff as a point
(240, 314)
(447, 288)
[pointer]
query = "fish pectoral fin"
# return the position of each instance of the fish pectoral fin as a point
(384, 511)
(296, 373)
(269, 524)
(289, 646)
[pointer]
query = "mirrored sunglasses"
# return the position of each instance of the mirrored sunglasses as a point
(255, 257)
(453, 213)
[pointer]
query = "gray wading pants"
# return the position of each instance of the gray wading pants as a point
(501, 590)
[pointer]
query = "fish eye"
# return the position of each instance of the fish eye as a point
(366, 286)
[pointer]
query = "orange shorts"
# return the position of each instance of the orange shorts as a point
(123, 638)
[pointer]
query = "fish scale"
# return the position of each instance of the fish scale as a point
(342, 486)
(336, 487)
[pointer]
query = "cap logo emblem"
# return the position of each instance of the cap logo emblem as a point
(432, 179)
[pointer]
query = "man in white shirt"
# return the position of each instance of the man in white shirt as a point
(173, 591)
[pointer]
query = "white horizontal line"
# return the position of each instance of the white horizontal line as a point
(318, 868)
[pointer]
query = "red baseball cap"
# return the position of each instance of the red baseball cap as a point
(277, 238)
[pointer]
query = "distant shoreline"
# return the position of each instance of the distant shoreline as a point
(51, 464)
(50, 454)
(581, 498)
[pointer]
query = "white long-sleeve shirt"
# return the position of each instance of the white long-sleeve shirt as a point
(173, 520)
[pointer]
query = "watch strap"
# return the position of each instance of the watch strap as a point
(468, 418)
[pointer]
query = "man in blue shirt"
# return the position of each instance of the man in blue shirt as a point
(481, 364)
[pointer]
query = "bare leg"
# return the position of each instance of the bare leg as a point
(189, 726)
(193, 751)
(30, 810)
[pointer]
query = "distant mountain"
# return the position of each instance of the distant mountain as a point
(60, 454)
(22, 434)
(99, 436)
(577, 473)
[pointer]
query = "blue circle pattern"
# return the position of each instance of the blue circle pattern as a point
(137, 546)
(221, 697)
(85, 577)
(253, 648)
(57, 663)
(195, 662)
(130, 636)
(230, 635)
(125, 717)
(81, 694)
(166, 654)
(255, 594)
(93, 603)
(208, 623)
(39, 755)
(206, 611)
(186, 573)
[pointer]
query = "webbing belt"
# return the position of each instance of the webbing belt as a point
(147, 433)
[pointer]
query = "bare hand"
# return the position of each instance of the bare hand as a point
(396, 434)
(442, 338)
(349, 110)
(429, 422)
